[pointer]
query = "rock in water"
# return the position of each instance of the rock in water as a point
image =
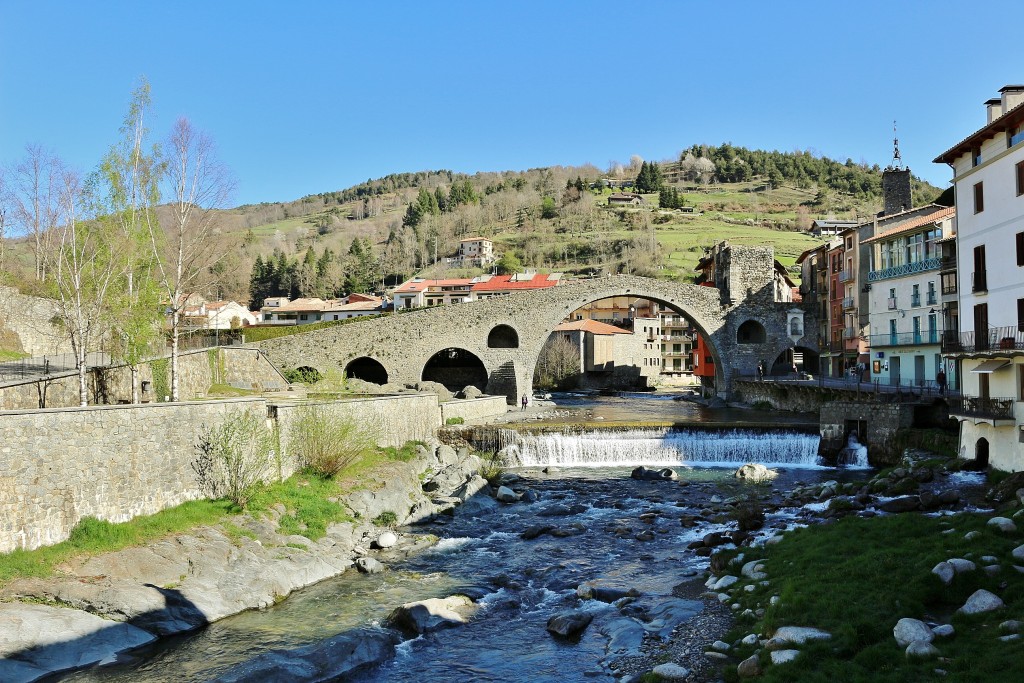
(335, 658)
(644, 474)
(415, 618)
(48, 639)
(506, 495)
(569, 623)
(909, 631)
(368, 565)
(755, 473)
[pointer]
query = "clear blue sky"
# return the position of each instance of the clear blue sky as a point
(305, 97)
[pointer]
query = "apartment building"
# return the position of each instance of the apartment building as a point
(905, 312)
(988, 177)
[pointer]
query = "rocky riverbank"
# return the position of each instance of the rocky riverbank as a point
(100, 606)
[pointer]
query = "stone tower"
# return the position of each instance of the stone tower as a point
(896, 190)
(896, 182)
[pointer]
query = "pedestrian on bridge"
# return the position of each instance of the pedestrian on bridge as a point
(940, 379)
(525, 401)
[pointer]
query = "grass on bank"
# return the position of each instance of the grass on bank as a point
(310, 502)
(856, 578)
(7, 355)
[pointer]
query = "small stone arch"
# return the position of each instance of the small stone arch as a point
(304, 374)
(751, 332)
(367, 369)
(456, 369)
(503, 337)
(981, 453)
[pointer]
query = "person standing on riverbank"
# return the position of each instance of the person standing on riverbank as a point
(525, 401)
(940, 379)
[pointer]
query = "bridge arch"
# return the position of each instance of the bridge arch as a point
(455, 368)
(503, 337)
(367, 369)
(405, 343)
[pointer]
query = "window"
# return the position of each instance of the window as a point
(981, 327)
(892, 331)
(976, 156)
(980, 276)
(1020, 382)
(1020, 314)
(1020, 248)
(979, 197)
(931, 245)
(915, 296)
(1020, 178)
(915, 248)
(931, 293)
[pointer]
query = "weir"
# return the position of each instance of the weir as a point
(658, 446)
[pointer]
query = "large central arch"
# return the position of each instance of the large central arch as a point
(403, 343)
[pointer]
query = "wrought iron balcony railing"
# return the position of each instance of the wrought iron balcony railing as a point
(905, 269)
(904, 339)
(850, 302)
(995, 340)
(846, 275)
(975, 406)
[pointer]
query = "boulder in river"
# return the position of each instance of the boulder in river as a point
(386, 540)
(506, 495)
(644, 474)
(569, 623)
(368, 565)
(424, 616)
(755, 473)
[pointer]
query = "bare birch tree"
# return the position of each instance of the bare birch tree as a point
(196, 183)
(35, 188)
(83, 263)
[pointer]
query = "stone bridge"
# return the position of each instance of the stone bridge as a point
(506, 333)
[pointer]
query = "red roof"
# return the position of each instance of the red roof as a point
(908, 225)
(592, 326)
(502, 283)
(417, 285)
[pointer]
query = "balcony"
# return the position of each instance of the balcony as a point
(850, 333)
(949, 288)
(846, 275)
(915, 300)
(849, 302)
(905, 269)
(947, 263)
(904, 339)
(932, 298)
(994, 409)
(997, 339)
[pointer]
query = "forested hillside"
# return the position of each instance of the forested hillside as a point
(383, 231)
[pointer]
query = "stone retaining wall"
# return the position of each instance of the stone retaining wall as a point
(880, 423)
(110, 462)
(474, 410)
(117, 462)
(392, 420)
(25, 324)
(198, 370)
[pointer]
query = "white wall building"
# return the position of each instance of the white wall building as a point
(904, 300)
(988, 176)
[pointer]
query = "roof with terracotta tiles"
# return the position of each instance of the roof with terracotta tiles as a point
(912, 224)
(1011, 118)
(592, 326)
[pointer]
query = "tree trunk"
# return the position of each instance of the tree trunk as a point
(174, 354)
(135, 383)
(83, 384)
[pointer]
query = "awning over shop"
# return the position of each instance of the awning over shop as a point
(991, 366)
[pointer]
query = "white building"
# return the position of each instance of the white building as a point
(988, 176)
(904, 299)
(473, 252)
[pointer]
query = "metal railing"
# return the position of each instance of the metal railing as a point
(846, 275)
(905, 338)
(932, 298)
(905, 269)
(976, 406)
(849, 302)
(950, 288)
(850, 333)
(42, 366)
(915, 300)
(1009, 338)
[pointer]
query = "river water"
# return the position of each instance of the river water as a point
(519, 583)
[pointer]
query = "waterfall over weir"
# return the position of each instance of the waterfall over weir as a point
(662, 447)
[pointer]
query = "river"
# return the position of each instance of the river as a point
(602, 516)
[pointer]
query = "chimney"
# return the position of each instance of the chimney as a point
(896, 190)
(994, 109)
(1012, 96)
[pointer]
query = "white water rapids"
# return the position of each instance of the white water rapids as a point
(664, 447)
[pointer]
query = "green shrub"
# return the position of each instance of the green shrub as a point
(762, 405)
(234, 458)
(303, 375)
(491, 469)
(454, 421)
(386, 519)
(323, 444)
